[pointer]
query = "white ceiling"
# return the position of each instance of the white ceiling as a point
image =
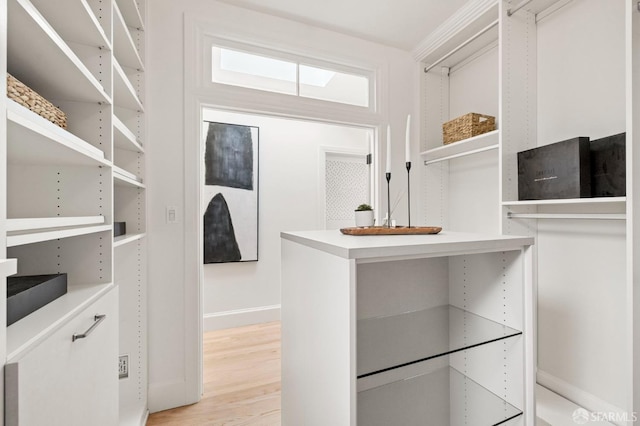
(399, 23)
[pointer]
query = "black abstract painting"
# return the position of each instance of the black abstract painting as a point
(230, 193)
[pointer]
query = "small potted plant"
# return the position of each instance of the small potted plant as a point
(364, 215)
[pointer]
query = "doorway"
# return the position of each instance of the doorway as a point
(311, 175)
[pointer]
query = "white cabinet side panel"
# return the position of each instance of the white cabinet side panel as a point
(318, 338)
(633, 203)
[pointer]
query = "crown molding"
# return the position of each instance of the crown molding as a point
(455, 24)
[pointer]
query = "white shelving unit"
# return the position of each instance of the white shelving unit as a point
(64, 189)
(452, 59)
(436, 327)
(545, 88)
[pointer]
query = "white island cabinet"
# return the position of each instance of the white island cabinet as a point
(407, 330)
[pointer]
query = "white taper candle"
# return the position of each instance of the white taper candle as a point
(408, 140)
(388, 169)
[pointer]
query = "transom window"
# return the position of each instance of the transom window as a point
(297, 78)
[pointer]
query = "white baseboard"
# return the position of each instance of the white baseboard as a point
(164, 396)
(554, 410)
(578, 397)
(145, 418)
(240, 317)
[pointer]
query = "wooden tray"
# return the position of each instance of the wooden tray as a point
(398, 230)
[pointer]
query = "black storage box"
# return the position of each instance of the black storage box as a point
(608, 166)
(558, 170)
(29, 293)
(119, 228)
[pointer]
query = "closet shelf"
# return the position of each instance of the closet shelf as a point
(476, 144)
(127, 238)
(32, 42)
(569, 201)
(29, 224)
(124, 95)
(124, 49)
(37, 326)
(131, 14)
(8, 267)
(48, 233)
(444, 396)
(122, 177)
(386, 343)
(86, 28)
(123, 138)
(580, 216)
(35, 140)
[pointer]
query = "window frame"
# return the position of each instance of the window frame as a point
(370, 74)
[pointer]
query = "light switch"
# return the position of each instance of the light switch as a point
(172, 215)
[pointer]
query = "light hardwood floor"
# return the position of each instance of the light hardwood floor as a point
(241, 380)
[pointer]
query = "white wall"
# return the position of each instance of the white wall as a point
(237, 294)
(174, 88)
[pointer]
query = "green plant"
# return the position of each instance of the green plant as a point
(363, 207)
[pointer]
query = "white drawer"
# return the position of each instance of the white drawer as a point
(68, 383)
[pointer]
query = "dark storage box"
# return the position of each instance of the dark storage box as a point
(608, 166)
(559, 170)
(119, 228)
(29, 293)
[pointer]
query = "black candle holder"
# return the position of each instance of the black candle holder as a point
(388, 176)
(408, 164)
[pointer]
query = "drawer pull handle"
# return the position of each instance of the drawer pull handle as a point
(98, 319)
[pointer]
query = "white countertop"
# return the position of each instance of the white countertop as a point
(372, 246)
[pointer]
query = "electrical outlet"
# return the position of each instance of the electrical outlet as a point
(123, 366)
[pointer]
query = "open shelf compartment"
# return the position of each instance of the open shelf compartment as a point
(131, 14)
(444, 396)
(31, 42)
(86, 28)
(122, 177)
(35, 140)
(124, 95)
(395, 341)
(124, 138)
(124, 49)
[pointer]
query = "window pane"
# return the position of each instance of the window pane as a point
(327, 85)
(253, 71)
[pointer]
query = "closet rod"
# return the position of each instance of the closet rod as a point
(465, 43)
(594, 216)
(518, 7)
(462, 154)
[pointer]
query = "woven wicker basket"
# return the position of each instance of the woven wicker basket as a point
(28, 98)
(467, 126)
